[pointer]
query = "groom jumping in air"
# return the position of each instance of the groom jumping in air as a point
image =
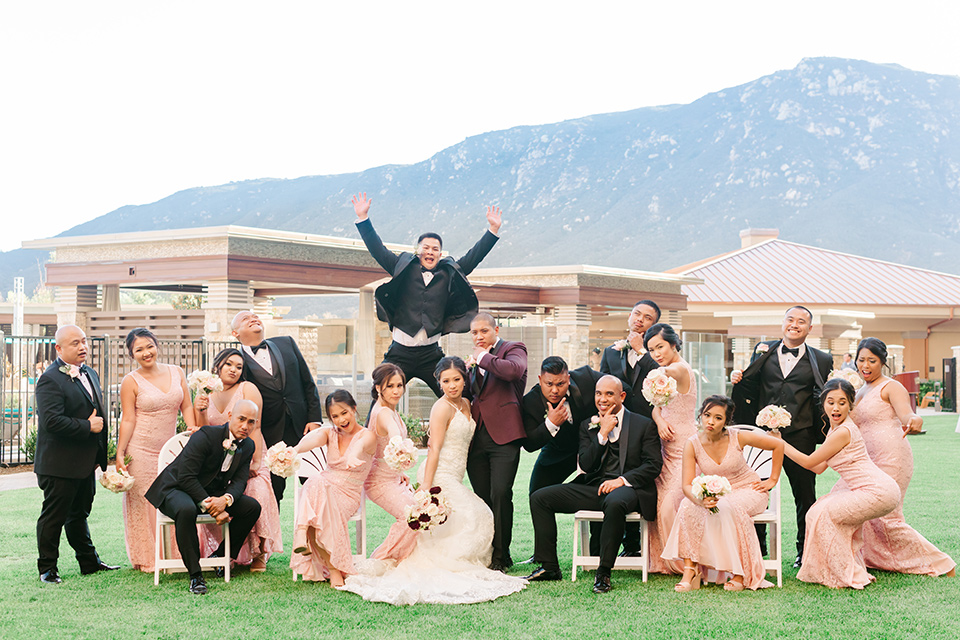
(428, 296)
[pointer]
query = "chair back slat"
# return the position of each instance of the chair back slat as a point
(760, 460)
(171, 449)
(312, 462)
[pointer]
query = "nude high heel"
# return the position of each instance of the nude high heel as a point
(732, 585)
(692, 585)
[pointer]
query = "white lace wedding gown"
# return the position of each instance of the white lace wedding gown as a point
(449, 564)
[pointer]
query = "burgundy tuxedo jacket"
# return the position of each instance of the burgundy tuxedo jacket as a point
(498, 393)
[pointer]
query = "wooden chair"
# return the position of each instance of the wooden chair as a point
(931, 397)
(312, 463)
(162, 546)
(581, 544)
(761, 461)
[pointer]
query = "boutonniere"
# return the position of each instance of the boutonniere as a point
(71, 370)
(595, 422)
(230, 446)
(763, 347)
(621, 345)
(470, 362)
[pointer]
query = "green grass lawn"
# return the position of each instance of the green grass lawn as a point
(125, 604)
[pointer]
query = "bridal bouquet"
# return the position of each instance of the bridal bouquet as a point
(282, 460)
(711, 487)
(116, 481)
(428, 510)
(400, 453)
(203, 382)
(849, 375)
(773, 417)
(659, 388)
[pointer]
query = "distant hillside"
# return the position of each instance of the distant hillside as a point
(837, 153)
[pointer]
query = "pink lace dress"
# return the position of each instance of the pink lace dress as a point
(832, 555)
(264, 539)
(385, 489)
(889, 543)
(156, 422)
(725, 541)
(327, 502)
(681, 413)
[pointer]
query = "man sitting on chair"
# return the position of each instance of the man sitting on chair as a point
(209, 476)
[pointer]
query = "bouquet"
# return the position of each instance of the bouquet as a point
(659, 388)
(282, 460)
(400, 453)
(429, 509)
(849, 375)
(773, 417)
(116, 481)
(203, 382)
(711, 487)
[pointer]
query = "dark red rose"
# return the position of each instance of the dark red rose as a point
(424, 517)
(434, 490)
(414, 524)
(435, 501)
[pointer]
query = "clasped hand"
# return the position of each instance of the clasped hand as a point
(217, 507)
(709, 502)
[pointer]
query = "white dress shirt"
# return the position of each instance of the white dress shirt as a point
(421, 339)
(261, 357)
(554, 429)
(787, 360)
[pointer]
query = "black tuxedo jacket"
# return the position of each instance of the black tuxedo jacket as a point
(446, 305)
(615, 363)
(640, 458)
(289, 391)
(799, 393)
(196, 471)
(66, 448)
(583, 383)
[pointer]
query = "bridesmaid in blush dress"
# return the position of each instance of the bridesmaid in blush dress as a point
(725, 542)
(884, 415)
(150, 397)
(386, 487)
(321, 542)
(264, 539)
(676, 423)
(833, 554)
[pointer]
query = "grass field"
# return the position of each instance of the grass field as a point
(125, 604)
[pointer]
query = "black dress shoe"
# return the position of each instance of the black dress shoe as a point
(50, 577)
(497, 566)
(602, 584)
(527, 561)
(630, 554)
(198, 586)
(543, 575)
(797, 562)
(100, 566)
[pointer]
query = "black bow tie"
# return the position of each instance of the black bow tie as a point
(83, 369)
(257, 347)
(784, 349)
(425, 270)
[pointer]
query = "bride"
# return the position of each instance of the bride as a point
(449, 564)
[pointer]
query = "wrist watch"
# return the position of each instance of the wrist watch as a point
(229, 499)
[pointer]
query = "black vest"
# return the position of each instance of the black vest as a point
(423, 305)
(274, 410)
(611, 460)
(794, 394)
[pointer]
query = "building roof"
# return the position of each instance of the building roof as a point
(781, 272)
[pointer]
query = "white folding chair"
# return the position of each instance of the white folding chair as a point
(761, 461)
(311, 464)
(581, 544)
(162, 545)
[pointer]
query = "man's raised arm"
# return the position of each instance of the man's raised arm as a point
(480, 250)
(384, 257)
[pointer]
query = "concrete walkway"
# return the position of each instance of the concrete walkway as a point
(18, 481)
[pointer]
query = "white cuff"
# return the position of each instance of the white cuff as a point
(625, 483)
(552, 428)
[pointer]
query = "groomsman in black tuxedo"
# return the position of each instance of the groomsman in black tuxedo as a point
(209, 476)
(620, 458)
(291, 405)
(788, 373)
(428, 296)
(498, 377)
(72, 432)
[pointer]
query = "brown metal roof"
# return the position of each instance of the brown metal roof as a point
(781, 272)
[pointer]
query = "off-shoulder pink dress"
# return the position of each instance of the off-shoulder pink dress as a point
(327, 502)
(385, 488)
(156, 422)
(832, 555)
(265, 537)
(889, 543)
(681, 413)
(724, 541)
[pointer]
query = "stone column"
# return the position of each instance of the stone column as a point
(895, 358)
(573, 334)
(72, 304)
(110, 300)
(224, 298)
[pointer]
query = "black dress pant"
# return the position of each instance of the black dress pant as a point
(570, 498)
(492, 469)
(545, 474)
(66, 507)
(803, 483)
(417, 362)
(179, 506)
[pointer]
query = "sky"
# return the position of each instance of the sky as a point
(106, 104)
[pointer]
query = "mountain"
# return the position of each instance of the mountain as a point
(836, 153)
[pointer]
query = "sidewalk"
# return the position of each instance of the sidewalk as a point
(22, 480)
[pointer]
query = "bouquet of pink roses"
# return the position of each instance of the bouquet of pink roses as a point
(849, 375)
(711, 487)
(659, 388)
(203, 382)
(282, 460)
(429, 509)
(773, 417)
(116, 481)
(400, 453)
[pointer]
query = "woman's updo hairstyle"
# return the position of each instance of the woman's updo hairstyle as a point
(874, 346)
(339, 396)
(382, 375)
(721, 401)
(838, 383)
(221, 357)
(140, 332)
(666, 332)
(451, 362)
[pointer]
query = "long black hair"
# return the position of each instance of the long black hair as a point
(383, 374)
(874, 346)
(339, 396)
(722, 401)
(222, 356)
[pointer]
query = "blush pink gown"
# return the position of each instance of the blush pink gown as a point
(385, 489)
(725, 541)
(265, 537)
(681, 413)
(327, 502)
(156, 422)
(833, 555)
(889, 543)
